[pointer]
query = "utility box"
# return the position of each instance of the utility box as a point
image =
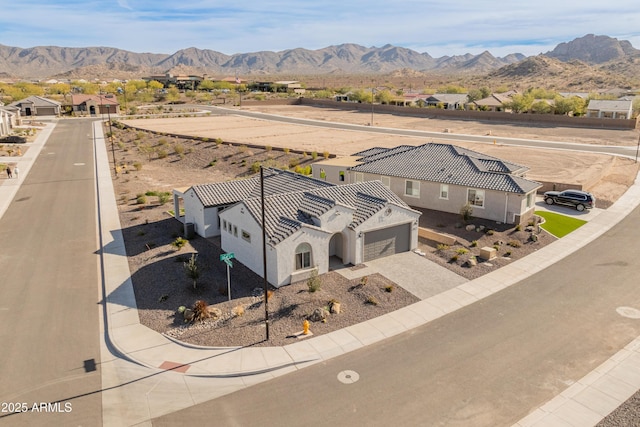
(189, 230)
(488, 253)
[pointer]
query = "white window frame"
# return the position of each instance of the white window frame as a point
(415, 192)
(477, 199)
(444, 191)
(303, 259)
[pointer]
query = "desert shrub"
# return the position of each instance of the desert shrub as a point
(255, 167)
(178, 149)
(514, 243)
(179, 243)
(200, 311)
(388, 288)
(162, 153)
(314, 155)
(507, 254)
(304, 154)
(238, 310)
(474, 243)
(286, 150)
(518, 227)
(371, 300)
(325, 154)
(489, 232)
(442, 247)
(364, 280)
(466, 212)
(213, 162)
(268, 148)
(454, 258)
(242, 149)
(218, 141)
(313, 282)
(140, 135)
(293, 163)
(163, 141)
(496, 247)
(164, 197)
(137, 165)
(141, 199)
(461, 251)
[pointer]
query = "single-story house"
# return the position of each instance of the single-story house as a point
(305, 228)
(180, 81)
(441, 177)
(610, 109)
(37, 106)
(92, 105)
(203, 203)
(495, 102)
(447, 101)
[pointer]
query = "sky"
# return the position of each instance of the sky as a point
(437, 27)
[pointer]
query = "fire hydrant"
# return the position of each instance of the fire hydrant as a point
(305, 327)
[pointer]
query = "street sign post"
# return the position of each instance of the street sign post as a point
(226, 258)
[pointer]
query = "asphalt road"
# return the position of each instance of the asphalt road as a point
(440, 136)
(488, 364)
(49, 319)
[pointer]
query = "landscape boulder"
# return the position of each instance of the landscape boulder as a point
(318, 315)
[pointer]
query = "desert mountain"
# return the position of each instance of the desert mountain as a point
(48, 61)
(586, 63)
(594, 49)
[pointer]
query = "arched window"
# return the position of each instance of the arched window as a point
(303, 256)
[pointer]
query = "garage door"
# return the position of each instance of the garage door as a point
(387, 241)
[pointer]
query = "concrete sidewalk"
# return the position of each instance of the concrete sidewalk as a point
(177, 375)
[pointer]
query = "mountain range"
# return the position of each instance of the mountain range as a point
(596, 52)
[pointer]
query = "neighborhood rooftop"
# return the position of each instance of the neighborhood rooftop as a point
(275, 181)
(448, 164)
(287, 212)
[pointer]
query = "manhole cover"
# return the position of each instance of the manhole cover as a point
(348, 377)
(630, 312)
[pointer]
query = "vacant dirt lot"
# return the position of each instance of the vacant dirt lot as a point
(606, 176)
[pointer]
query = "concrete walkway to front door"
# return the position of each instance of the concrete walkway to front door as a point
(410, 271)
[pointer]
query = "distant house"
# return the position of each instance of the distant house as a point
(495, 102)
(37, 106)
(180, 81)
(610, 109)
(441, 177)
(94, 104)
(447, 101)
(308, 222)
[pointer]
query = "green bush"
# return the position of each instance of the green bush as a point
(474, 243)
(255, 167)
(442, 247)
(313, 282)
(164, 197)
(141, 199)
(466, 212)
(461, 251)
(179, 243)
(514, 243)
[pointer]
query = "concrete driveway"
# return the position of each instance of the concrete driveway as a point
(410, 271)
(585, 215)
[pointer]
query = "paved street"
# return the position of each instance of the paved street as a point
(487, 364)
(48, 312)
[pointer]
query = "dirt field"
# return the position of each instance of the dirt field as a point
(606, 176)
